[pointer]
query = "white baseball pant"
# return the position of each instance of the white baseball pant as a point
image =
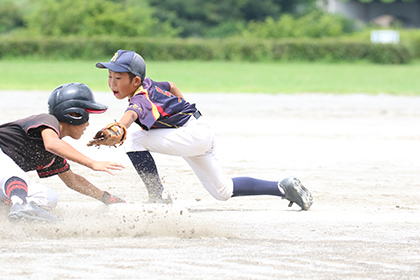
(38, 193)
(195, 142)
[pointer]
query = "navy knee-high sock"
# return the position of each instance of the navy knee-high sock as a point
(145, 166)
(16, 186)
(250, 186)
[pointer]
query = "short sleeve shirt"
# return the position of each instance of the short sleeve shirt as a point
(21, 140)
(156, 107)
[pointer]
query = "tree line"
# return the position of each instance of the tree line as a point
(171, 18)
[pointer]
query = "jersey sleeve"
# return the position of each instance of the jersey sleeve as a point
(34, 125)
(164, 85)
(59, 165)
(147, 114)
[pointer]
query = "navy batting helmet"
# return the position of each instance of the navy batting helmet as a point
(73, 98)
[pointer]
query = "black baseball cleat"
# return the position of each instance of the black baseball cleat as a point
(30, 212)
(295, 192)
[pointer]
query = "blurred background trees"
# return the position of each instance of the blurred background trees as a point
(171, 18)
(224, 18)
(263, 30)
(85, 18)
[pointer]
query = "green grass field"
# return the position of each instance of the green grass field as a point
(229, 77)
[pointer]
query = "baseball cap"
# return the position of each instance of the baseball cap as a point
(125, 61)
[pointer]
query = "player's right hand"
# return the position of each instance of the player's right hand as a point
(107, 166)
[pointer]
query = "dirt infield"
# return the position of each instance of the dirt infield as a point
(358, 154)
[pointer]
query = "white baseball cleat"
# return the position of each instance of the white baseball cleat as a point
(30, 212)
(295, 192)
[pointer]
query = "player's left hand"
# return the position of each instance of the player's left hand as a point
(108, 198)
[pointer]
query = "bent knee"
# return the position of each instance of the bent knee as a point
(222, 197)
(220, 192)
(43, 196)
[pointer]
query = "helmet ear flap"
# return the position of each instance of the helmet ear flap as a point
(81, 118)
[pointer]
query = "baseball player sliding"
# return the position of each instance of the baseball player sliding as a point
(34, 143)
(168, 124)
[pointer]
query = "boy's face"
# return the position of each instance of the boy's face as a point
(74, 131)
(78, 130)
(121, 85)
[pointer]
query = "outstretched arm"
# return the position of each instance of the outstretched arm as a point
(55, 145)
(83, 186)
(128, 118)
(80, 184)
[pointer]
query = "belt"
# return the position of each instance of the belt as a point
(197, 114)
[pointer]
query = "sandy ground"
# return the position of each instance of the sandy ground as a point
(358, 155)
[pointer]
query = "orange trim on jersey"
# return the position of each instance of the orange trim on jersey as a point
(155, 109)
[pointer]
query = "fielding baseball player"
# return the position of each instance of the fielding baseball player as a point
(168, 124)
(34, 143)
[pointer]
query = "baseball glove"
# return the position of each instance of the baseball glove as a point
(111, 135)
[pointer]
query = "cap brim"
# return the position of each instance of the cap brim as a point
(112, 66)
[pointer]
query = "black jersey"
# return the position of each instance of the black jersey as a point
(21, 140)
